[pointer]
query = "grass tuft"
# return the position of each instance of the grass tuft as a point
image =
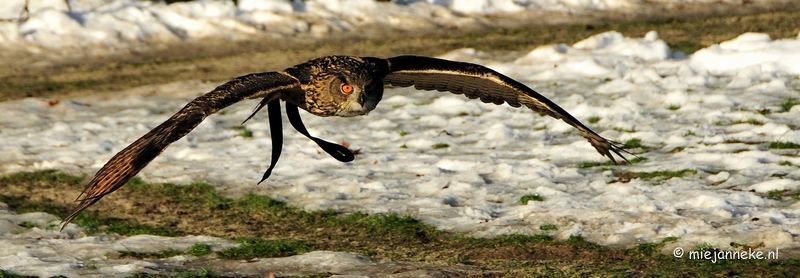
(531, 197)
(43, 176)
(521, 240)
(440, 146)
(548, 227)
(252, 201)
(788, 104)
(775, 194)
(754, 121)
(703, 247)
(633, 143)
(199, 249)
(578, 241)
(93, 224)
(593, 119)
(732, 140)
(246, 133)
(386, 225)
(783, 145)
(169, 253)
(252, 248)
(649, 249)
(627, 176)
(673, 107)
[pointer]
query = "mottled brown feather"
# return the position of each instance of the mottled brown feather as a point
(133, 158)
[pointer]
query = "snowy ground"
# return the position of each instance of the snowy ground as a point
(496, 154)
(706, 112)
(92, 29)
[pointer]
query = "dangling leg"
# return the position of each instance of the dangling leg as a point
(276, 132)
(337, 151)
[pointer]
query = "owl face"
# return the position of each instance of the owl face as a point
(356, 96)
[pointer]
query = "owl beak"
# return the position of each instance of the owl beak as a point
(361, 98)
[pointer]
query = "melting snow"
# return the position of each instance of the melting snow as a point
(697, 112)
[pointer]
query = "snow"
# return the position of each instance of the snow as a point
(496, 154)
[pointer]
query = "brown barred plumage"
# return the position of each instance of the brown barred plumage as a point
(315, 86)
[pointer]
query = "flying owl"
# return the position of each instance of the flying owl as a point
(343, 86)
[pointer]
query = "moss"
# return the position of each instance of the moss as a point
(531, 197)
(783, 145)
(440, 146)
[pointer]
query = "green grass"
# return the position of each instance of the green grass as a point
(578, 241)
(531, 197)
(788, 104)
(775, 194)
(677, 149)
(93, 224)
(627, 176)
(251, 248)
(785, 163)
(43, 176)
(673, 107)
(649, 249)
(752, 121)
(732, 140)
(204, 272)
(783, 145)
(521, 240)
(246, 133)
(548, 227)
(633, 143)
(593, 119)
(266, 227)
(199, 250)
(440, 146)
(168, 253)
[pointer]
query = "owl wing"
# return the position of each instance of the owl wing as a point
(133, 158)
(476, 81)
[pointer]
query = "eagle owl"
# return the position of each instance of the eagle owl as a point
(328, 86)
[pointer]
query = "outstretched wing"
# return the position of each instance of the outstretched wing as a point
(476, 81)
(128, 162)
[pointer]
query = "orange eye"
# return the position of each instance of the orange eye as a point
(347, 88)
(369, 87)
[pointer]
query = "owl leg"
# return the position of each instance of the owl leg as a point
(276, 132)
(337, 151)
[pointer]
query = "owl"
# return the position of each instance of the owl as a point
(343, 86)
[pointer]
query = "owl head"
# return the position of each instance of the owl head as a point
(342, 86)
